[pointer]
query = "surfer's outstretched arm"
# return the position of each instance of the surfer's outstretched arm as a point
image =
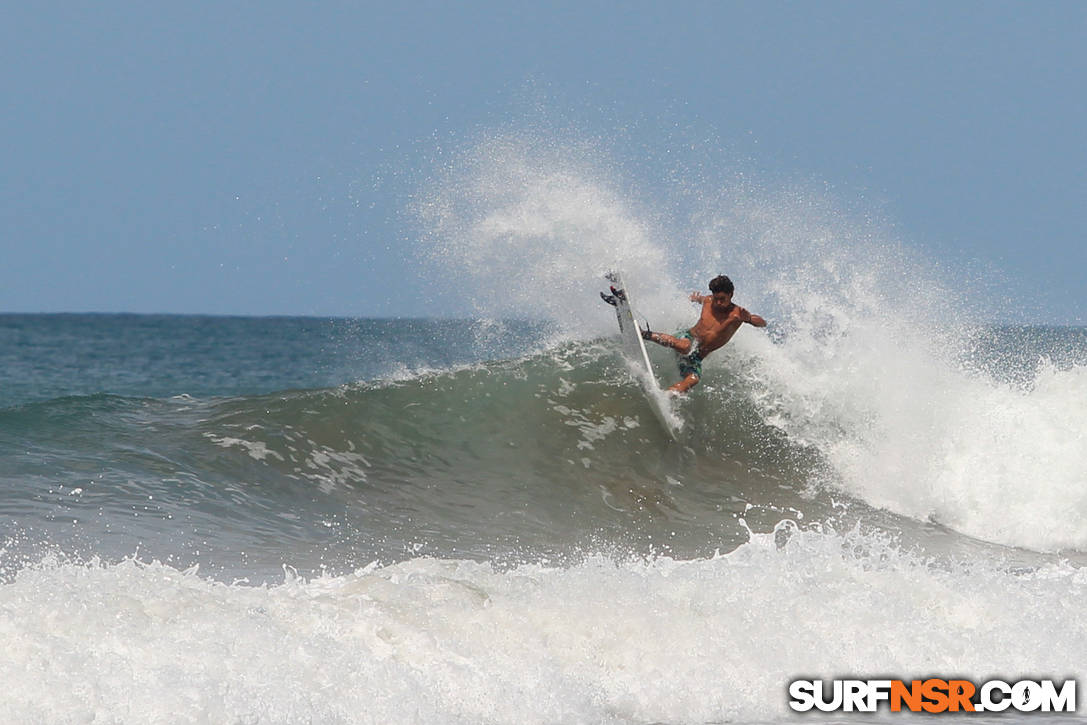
(751, 319)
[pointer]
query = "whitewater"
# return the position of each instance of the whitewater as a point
(282, 520)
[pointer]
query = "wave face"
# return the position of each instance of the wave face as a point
(541, 455)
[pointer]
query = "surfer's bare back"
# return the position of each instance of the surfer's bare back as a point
(716, 325)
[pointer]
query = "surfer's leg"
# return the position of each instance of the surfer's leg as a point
(690, 367)
(686, 384)
(680, 344)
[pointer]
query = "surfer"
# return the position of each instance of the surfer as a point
(718, 322)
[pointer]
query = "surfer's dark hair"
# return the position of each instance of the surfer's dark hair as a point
(721, 283)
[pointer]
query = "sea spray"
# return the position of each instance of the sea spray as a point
(874, 367)
(527, 228)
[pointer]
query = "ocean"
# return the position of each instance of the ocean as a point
(475, 518)
(301, 520)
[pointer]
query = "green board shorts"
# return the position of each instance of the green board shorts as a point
(691, 363)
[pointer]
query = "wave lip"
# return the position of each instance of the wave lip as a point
(928, 438)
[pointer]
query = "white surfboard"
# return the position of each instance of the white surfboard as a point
(634, 351)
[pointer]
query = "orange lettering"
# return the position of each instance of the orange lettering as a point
(934, 691)
(910, 695)
(959, 694)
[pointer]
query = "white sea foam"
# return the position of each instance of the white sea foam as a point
(869, 370)
(441, 641)
(257, 450)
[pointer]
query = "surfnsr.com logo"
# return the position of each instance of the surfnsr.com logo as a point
(933, 695)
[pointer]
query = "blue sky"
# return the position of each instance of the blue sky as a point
(257, 158)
